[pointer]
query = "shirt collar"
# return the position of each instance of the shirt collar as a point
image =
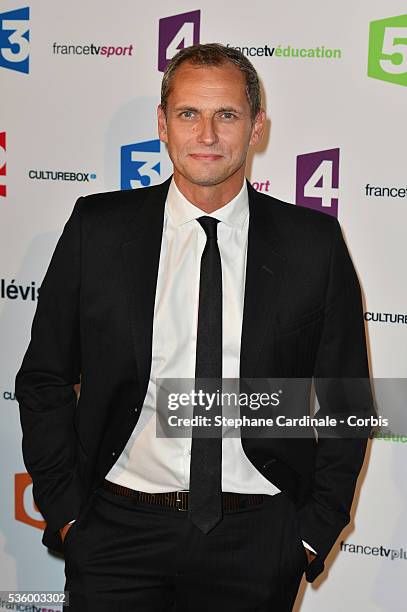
(180, 210)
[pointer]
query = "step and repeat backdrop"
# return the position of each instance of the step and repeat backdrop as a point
(79, 88)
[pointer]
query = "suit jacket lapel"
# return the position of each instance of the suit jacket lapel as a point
(141, 256)
(264, 275)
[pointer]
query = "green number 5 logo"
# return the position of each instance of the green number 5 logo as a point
(388, 50)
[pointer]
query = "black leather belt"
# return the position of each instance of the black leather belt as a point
(178, 500)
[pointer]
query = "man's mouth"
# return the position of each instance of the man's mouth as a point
(205, 156)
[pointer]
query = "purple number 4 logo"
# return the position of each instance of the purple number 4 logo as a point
(318, 181)
(175, 33)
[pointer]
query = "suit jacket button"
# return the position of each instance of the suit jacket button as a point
(113, 454)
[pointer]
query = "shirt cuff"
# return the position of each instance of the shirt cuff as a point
(309, 547)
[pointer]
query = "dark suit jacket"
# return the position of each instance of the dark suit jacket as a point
(302, 318)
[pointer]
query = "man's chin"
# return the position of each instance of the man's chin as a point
(207, 183)
(205, 180)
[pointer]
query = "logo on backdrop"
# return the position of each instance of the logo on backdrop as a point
(289, 51)
(92, 49)
(3, 165)
(15, 40)
(175, 33)
(387, 58)
(9, 395)
(140, 164)
(25, 508)
(11, 291)
(391, 554)
(389, 436)
(379, 191)
(385, 317)
(317, 181)
(263, 186)
(61, 175)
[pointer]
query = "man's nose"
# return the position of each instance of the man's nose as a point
(207, 131)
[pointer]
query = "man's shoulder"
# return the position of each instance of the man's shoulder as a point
(286, 212)
(122, 203)
(295, 229)
(297, 225)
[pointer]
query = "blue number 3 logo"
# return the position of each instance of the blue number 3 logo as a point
(15, 39)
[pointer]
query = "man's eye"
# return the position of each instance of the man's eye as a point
(187, 114)
(228, 115)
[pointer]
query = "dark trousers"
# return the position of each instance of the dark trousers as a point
(121, 555)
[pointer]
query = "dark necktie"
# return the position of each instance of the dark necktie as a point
(205, 500)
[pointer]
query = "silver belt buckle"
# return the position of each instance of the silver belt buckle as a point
(179, 500)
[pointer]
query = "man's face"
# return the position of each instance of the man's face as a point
(208, 127)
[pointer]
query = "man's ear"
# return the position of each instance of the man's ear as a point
(162, 124)
(258, 128)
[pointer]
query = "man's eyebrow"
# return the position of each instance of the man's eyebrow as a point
(185, 107)
(229, 109)
(223, 109)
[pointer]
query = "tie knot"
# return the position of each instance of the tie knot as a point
(209, 225)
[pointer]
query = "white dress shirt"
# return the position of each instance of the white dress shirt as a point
(152, 464)
(159, 464)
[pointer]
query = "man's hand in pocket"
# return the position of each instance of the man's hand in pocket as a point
(64, 531)
(310, 555)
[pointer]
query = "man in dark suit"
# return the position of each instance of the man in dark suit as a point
(200, 277)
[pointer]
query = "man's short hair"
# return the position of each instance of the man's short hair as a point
(214, 54)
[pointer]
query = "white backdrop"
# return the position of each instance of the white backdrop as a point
(80, 80)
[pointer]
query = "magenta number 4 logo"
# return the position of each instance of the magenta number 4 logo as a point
(318, 181)
(175, 33)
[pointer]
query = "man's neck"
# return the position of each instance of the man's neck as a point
(212, 197)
